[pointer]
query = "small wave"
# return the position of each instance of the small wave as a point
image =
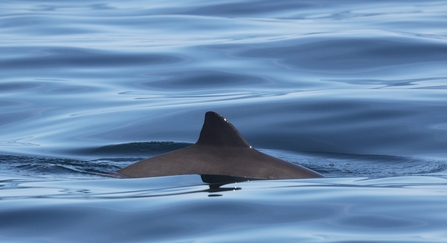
(42, 166)
(107, 159)
(373, 166)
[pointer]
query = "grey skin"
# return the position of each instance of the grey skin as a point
(220, 151)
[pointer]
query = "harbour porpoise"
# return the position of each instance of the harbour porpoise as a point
(219, 154)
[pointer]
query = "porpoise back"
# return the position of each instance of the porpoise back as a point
(220, 151)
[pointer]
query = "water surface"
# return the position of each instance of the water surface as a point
(355, 90)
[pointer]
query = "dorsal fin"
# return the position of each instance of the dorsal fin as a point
(218, 131)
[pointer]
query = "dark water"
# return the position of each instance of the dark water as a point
(356, 90)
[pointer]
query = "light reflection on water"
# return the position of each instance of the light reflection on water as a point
(181, 208)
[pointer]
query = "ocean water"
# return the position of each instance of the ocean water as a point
(356, 90)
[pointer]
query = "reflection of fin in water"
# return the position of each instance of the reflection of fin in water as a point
(217, 181)
(224, 179)
(218, 188)
(221, 152)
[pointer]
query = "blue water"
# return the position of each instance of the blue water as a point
(356, 90)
